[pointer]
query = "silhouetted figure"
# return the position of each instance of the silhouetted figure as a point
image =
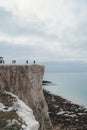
(26, 61)
(34, 62)
(13, 61)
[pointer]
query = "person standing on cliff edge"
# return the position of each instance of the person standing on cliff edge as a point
(26, 61)
(34, 62)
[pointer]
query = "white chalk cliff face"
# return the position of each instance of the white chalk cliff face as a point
(25, 81)
(19, 115)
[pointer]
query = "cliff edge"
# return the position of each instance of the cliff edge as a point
(25, 81)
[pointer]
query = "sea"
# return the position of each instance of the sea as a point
(71, 86)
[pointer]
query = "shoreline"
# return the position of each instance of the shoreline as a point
(64, 114)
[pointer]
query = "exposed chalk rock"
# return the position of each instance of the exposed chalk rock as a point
(25, 81)
(23, 116)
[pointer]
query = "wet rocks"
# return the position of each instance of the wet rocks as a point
(64, 114)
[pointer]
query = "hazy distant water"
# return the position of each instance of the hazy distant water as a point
(72, 86)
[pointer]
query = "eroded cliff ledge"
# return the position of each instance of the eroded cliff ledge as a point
(25, 81)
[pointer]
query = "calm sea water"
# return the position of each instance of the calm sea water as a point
(72, 86)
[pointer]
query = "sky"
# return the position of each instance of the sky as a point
(43, 30)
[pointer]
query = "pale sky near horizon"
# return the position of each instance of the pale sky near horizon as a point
(45, 30)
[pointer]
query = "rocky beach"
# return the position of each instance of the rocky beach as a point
(64, 114)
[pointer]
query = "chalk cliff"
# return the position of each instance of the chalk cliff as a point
(15, 114)
(25, 81)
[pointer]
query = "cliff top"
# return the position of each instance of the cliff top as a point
(22, 65)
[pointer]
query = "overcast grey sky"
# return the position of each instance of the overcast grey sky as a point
(45, 30)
